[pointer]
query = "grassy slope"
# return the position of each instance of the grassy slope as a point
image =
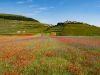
(76, 30)
(8, 26)
(16, 17)
(17, 24)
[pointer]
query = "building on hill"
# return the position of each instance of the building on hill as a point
(69, 22)
(72, 22)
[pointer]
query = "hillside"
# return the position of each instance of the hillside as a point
(74, 29)
(16, 17)
(11, 24)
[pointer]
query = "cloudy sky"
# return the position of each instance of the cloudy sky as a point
(54, 11)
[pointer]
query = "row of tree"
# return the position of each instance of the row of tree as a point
(61, 23)
(16, 17)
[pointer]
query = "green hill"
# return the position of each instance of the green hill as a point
(11, 24)
(74, 29)
(16, 17)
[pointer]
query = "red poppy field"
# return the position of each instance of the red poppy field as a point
(53, 55)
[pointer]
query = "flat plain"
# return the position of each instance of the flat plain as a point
(49, 55)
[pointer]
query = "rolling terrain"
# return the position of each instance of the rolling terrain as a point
(11, 24)
(64, 49)
(75, 29)
(17, 25)
(55, 55)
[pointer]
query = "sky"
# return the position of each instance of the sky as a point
(54, 11)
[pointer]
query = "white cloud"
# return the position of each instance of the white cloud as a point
(63, 1)
(47, 13)
(29, 0)
(21, 2)
(30, 14)
(31, 5)
(44, 20)
(52, 7)
(43, 8)
(8, 3)
(36, 12)
(91, 23)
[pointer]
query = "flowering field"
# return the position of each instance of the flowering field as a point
(54, 55)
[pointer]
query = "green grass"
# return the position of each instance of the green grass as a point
(75, 30)
(14, 27)
(11, 24)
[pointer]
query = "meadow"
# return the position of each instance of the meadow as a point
(49, 55)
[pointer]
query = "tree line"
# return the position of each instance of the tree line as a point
(16, 17)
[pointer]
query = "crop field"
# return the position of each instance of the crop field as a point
(49, 55)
